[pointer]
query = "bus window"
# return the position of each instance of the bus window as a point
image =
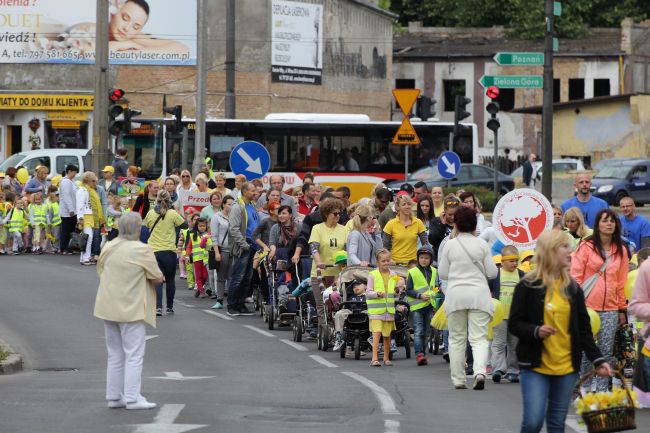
(144, 145)
(306, 152)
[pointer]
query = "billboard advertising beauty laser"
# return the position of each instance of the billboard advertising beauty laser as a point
(143, 32)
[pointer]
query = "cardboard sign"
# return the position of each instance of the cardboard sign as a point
(128, 186)
(195, 202)
(521, 216)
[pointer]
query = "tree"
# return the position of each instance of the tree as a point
(520, 214)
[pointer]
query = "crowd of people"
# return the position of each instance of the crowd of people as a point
(449, 247)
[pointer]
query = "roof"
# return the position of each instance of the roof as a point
(370, 5)
(451, 43)
(537, 109)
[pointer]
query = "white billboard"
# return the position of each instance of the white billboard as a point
(297, 42)
(149, 32)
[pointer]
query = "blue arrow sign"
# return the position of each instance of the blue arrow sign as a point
(449, 165)
(251, 159)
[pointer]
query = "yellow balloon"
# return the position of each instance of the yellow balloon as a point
(56, 180)
(629, 284)
(22, 175)
(439, 320)
(594, 319)
(499, 313)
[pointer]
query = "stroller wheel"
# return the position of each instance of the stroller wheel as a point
(270, 316)
(357, 348)
(407, 344)
(297, 329)
(344, 346)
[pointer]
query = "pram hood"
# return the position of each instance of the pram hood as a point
(360, 273)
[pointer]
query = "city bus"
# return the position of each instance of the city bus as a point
(348, 150)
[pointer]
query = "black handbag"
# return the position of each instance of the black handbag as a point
(78, 241)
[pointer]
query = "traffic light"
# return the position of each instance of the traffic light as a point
(115, 111)
(177, 112)
(425, 107)
(128, 115)
(460, 112)
(492, 107)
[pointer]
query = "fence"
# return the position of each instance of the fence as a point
(504, 164)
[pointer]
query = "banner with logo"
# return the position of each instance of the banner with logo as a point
(128, 186)
(143, 32)
(296, 42)
(521, 216)
(195, 202)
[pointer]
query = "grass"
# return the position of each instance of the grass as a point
(3, 355)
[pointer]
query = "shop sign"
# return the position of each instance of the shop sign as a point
(67, 115)
(22, 101)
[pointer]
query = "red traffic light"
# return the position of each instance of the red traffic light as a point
(492, 92)
(116, 94)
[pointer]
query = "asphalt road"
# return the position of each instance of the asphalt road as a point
(208, 373)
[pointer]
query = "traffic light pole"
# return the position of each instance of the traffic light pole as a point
(100, 153)
(199, 138)
(496, 165)
(230, 59)
(547, 110)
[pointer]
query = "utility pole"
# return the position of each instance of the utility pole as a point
(230, 59)
(100, 153)
(547, 111)
(201, 62)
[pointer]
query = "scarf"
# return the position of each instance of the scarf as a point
(288, 232)
(96, 205)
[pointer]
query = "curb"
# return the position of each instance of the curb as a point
(13, 364)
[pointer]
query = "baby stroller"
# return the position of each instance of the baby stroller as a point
(326, 332)
(306, 317)
(356, 331)
(281, 305)
(402, 333)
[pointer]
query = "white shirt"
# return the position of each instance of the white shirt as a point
(67, 198)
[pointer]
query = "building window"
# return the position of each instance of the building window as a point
(451, 89)
(576, 88)
(556, 90)
(506, 99)
(601, 87)
(404, 83)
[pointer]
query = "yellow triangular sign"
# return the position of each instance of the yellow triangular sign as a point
(406, 98)
(406, 134)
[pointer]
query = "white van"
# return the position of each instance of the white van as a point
(54, 159)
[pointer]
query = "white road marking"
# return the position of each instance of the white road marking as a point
(259, 331)
(385, 400)
(184, 304)
(149, 337)
(164, 421)
(219, 315)
(391, 426)
(296, 346)
(323, 361)
(176, 375)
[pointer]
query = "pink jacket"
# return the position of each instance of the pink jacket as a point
(640, 301)
(609, 292)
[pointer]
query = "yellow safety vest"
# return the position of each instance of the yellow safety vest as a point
(421, 286)
(40, 214)
(198, 253)
(378, 306)
(55, 218)
(17, 221)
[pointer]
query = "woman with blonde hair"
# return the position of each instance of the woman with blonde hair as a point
(364, 240)
(401, 234)
(549, 316)
(201, 182)
(574, 225)
(220, 181)
(186, 184)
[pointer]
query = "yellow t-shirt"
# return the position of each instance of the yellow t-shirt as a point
(438, 210)
(331, 240)
(556, 349)
(404, 239)
(507, 289)
(163, 236)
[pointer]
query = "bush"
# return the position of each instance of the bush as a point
(486, 197)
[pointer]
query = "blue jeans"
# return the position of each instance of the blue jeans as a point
(421, 325)
(167, 264)
(545, 396)
(445, 340)
(240, 280)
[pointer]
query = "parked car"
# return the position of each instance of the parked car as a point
(469, 174)
(613, 161)
(563, 165)
(629, 178)
(54, 159)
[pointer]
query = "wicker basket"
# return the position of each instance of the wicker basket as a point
(613, 419)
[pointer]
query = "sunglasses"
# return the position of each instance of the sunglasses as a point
(336, 213)
(452, 203)
(185, 175)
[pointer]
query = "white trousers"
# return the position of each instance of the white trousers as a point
(504, 358)
(85, 255)
(125, 344)
(466, 325)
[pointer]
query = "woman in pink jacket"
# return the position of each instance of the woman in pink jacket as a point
(607, 297)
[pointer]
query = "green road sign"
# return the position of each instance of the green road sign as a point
(520, 59)
(557, 9)
(512, 81)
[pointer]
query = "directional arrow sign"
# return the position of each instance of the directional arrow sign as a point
(448, 165)
(164, 422)
(251, 159)
(512, 81)
(520, 59)
(176, 375)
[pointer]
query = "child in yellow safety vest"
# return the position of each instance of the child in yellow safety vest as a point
(198, 244)
(185, 261)
(17, 221)
(422, 296)
(380, 299)
(4, 209)
(39, 220)
(55, 219)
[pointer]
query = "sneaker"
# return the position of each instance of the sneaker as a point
(249, 300)
(496, 376)
(214, 296)
(158, 311)
(170, 310)
(183, 277)
(469, 371)
(197, 293)
(204, 295)
(208, 292)
(479, 382)
(232, 312)
(338, 343)
(15, 253)
(421, 360)
(512, 377)
(393, 346)
(117, 404)
(217, 306)
(243, 311)
(445, 356)
(141, 403)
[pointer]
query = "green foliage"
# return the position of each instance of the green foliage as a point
(524, 17)
(4, 355)
(486, 197)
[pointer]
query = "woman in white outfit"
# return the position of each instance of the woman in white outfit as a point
(85, 213)
(466, 263)
(126, 300)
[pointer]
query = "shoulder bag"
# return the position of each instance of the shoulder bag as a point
(145, 233)
(478, 264)
(590, 282)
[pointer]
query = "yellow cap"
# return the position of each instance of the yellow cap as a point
(526, 254)
(56, 179)
(108, 168)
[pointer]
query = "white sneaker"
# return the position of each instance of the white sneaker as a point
(117, 404)
(141, 403)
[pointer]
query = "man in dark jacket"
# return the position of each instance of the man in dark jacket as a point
(119, 163)
(530, 175)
